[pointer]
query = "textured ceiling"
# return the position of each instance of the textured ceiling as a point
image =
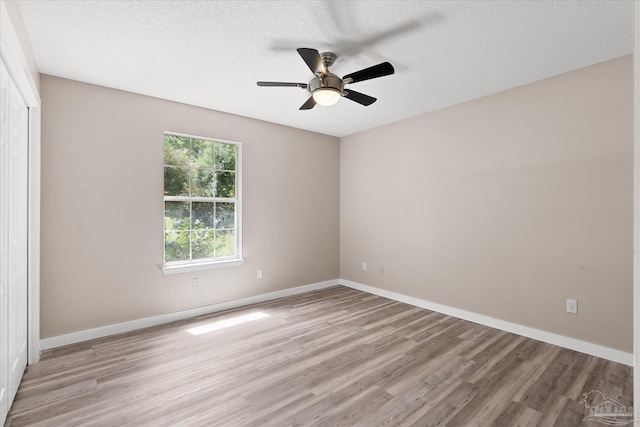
(211, 53)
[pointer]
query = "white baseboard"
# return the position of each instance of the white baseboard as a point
(537, 334)
(118, 328)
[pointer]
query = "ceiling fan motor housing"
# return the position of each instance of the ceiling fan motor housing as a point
(328, 81)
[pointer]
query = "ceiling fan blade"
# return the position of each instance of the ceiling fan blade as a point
(379, 70)
(313, 60)
(309, 104)
(282, 84)
(360, 98)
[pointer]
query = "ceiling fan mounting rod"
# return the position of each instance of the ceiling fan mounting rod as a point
(328, 59)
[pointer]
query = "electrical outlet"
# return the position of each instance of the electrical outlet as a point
(259, 274)
(381, 270)
(364, 266)
(196, 283)
(572, 306)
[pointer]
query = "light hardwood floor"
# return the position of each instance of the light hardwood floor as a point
(332, 357)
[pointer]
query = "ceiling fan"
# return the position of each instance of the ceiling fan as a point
(327, 88)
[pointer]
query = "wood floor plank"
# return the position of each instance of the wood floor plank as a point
(336, 356)
(518, 415)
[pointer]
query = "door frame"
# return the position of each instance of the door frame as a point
(636, 221)
(18, 67)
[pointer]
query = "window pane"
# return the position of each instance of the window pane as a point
(176, 246)
(226, 156)
(202, 215)
(176, 150)
(202, 183)
(225, 215)
(202, 244)
(225, 243)
(202, 152)
(225, 184)
(176, 181)
(176, 215)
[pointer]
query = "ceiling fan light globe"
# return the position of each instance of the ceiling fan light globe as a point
(326, 96)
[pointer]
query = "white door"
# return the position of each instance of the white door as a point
(18, 255)
(14, 238)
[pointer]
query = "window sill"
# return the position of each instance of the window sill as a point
(187, 268)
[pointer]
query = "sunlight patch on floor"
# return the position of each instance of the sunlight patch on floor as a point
(214, 326)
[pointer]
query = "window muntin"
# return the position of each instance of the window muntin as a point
(201, 200)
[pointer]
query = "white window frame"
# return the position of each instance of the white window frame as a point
(176, 267)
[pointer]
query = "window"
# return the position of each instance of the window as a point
(201, 202)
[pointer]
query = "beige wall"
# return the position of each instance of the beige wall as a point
(102, 208)
(23, 39)
(504, 206)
